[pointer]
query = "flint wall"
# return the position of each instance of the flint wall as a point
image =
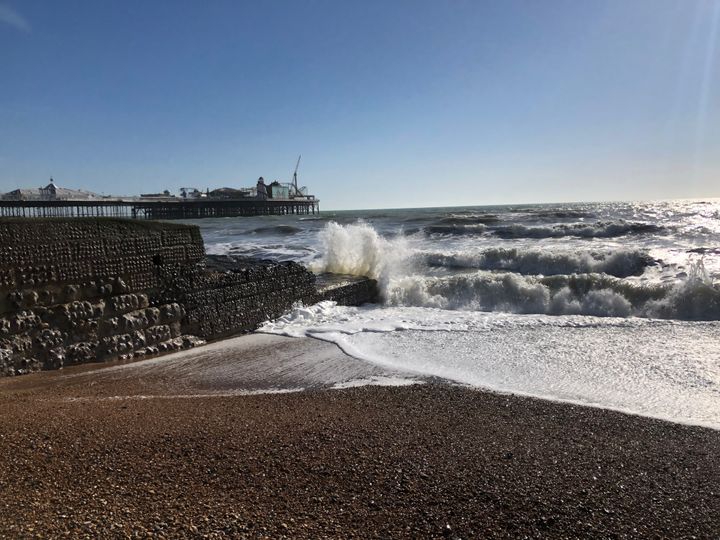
(89, 290)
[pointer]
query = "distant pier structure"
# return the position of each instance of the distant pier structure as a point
(264, 199)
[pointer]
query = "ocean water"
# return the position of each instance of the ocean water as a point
(614, 305)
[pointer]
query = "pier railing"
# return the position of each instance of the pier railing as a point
(157, 209)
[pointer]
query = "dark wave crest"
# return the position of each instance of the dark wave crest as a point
(483, 219)
(599, 229)
(277, 229)
(623, 263)
(455, 230)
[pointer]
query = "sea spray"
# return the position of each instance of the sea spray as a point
(695, 298)
(357, 249)
(351, 249)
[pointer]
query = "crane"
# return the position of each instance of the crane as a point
(294, 180)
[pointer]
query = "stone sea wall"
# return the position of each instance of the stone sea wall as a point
(89, 290)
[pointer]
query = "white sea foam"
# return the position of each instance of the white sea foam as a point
(377, 381)
(353, 249)
(665, 369)
(582, 294)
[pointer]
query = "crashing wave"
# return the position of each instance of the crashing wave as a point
(592, 284)
(582, 294)
(358, 250)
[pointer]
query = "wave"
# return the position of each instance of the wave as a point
(705, 251)
(469, 220)
(623, 263)
(418, 219)
(457, 229)
(562, 214)
(600, 229)
(277, 229)
(583, 294)
(359, 250)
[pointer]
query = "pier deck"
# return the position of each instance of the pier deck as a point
(157, 209)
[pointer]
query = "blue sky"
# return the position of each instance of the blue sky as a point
(391, 104)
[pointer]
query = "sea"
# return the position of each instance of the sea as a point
(613, 305)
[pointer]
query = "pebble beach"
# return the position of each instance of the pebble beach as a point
(93, 452)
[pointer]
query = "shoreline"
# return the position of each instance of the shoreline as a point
(276, 364)
(429, 460)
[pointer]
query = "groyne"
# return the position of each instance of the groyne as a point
(90, 290)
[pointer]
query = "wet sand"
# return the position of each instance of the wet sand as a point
(175, 447)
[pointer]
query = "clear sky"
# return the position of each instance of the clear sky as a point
(391, 103)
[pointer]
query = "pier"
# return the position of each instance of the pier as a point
(166, 208)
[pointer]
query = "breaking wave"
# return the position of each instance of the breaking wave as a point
(583, 294)
(358, 250)
(583, 284)
(533, 262)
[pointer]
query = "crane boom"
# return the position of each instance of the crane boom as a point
(297, 192)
